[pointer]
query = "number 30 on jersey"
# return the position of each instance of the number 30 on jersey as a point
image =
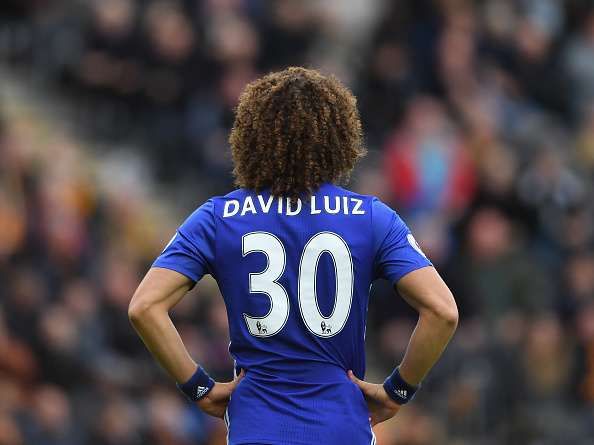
(266, 282)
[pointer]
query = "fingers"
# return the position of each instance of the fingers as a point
(233, 384)
(360, 383)
(366, 387)
(353, 377)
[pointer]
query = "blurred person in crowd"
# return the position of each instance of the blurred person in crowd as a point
(16, 357)
(537, 67)
(416, 427)
(456, 49)
(119, 278)
(545, 365)
(51, 422)
(426, 163)
(585, 336)
(168, 420)
(578, 284)
(108, 63)
(10, 433)
(547, 379)
(296, 135)
(289, 32)
(579, 64)
(551, 188)
(61, 347)
(585, 140)
(117, 423)
(493, 274)
(387, 74)
(497, 168)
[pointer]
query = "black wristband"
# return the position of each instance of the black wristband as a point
(398, 390)
(198, 386)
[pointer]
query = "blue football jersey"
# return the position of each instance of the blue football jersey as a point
(295, 277)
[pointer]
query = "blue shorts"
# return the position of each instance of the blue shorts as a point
(267, 411)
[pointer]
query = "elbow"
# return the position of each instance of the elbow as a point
(138, 310)
(135, 312)
(450, 315)
(446, 312)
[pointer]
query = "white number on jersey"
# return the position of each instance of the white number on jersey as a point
(266, 282)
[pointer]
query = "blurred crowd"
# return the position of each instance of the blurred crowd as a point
(479, 119)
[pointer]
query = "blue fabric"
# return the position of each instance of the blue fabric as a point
(296, 390)
(397, 252)
(191, 250)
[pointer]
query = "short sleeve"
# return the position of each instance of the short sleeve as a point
(191, 250)
(396, 250)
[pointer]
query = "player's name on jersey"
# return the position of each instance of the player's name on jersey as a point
(315, 205)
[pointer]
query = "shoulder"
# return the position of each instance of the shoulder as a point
(333, 189)
(385, 221)
(380, 210)
(201, 219)
(204, 210)
(382, 215)
(231, 203)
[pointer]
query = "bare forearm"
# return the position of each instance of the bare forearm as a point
(427, 343)
(163, 341)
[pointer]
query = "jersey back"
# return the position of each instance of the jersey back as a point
(295, 276)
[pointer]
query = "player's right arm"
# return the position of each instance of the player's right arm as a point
(160, 290)
(187, 257)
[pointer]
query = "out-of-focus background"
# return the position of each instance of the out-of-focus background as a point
(479, 118)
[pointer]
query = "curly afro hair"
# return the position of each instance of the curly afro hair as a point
(295, 130)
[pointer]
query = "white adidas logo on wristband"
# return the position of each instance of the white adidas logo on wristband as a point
(201, 390)
(401, 393)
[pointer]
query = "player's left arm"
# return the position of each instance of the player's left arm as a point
(400, 260)
(160, 290)
(426, 292)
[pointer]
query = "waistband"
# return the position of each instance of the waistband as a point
(298, 372)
